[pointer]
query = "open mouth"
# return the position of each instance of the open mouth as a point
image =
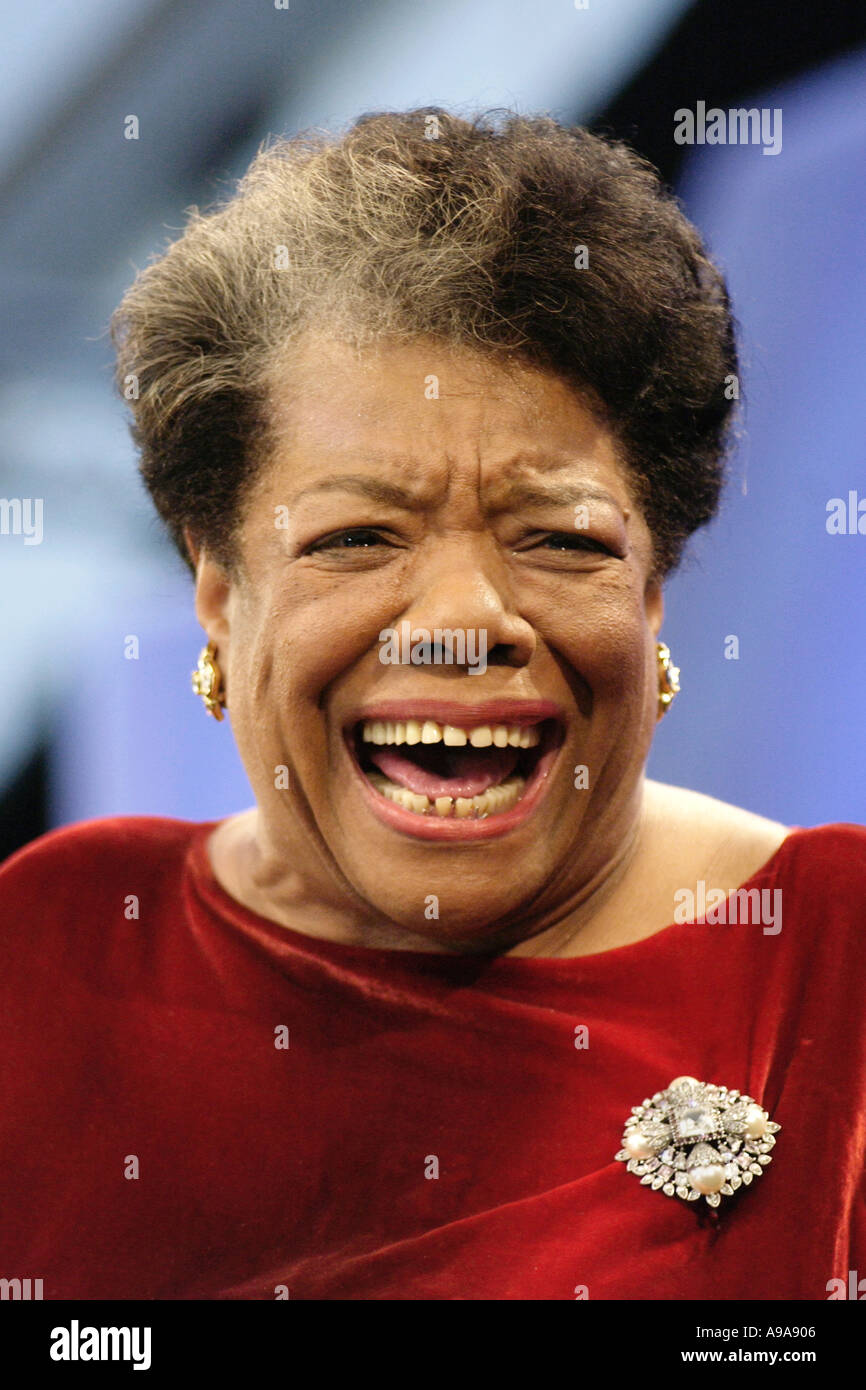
(452, 772)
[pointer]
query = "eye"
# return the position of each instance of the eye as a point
(569, 540)
(348, 540)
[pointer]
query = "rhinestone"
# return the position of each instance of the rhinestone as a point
(693, 1122)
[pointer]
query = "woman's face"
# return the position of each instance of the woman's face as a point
(422, 488)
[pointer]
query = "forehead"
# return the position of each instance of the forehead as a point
(422, 407)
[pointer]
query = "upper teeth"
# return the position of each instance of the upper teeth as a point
(428, 731)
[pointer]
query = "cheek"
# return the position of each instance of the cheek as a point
(292, 645)
(599, 628)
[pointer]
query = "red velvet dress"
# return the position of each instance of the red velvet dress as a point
(159, 1139)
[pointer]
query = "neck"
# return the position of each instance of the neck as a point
(593, 913)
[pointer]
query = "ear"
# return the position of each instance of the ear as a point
(192, 549)
(212, 592)
(654, 605)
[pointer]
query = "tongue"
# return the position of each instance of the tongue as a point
(473, 769)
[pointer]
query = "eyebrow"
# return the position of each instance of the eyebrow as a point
(563, 494)
(527, 494)
(374, 488)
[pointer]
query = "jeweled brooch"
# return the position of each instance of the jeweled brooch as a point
(697, 1140)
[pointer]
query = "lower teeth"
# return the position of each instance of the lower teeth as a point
(492, 802)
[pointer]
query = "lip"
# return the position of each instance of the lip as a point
(460, 715)
(450, 828)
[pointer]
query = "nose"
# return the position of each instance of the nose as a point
(465, 587)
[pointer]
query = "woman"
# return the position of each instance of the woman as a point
(465, 1007)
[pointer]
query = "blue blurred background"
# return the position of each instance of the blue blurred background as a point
(87, 731)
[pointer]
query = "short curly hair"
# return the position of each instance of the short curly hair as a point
(422, 223)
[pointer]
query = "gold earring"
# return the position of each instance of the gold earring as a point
(207, 681)
(669, 678)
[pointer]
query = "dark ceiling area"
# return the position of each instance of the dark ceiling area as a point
(722, 53)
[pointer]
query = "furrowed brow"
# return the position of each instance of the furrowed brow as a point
(533, 495)
(376, 489)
